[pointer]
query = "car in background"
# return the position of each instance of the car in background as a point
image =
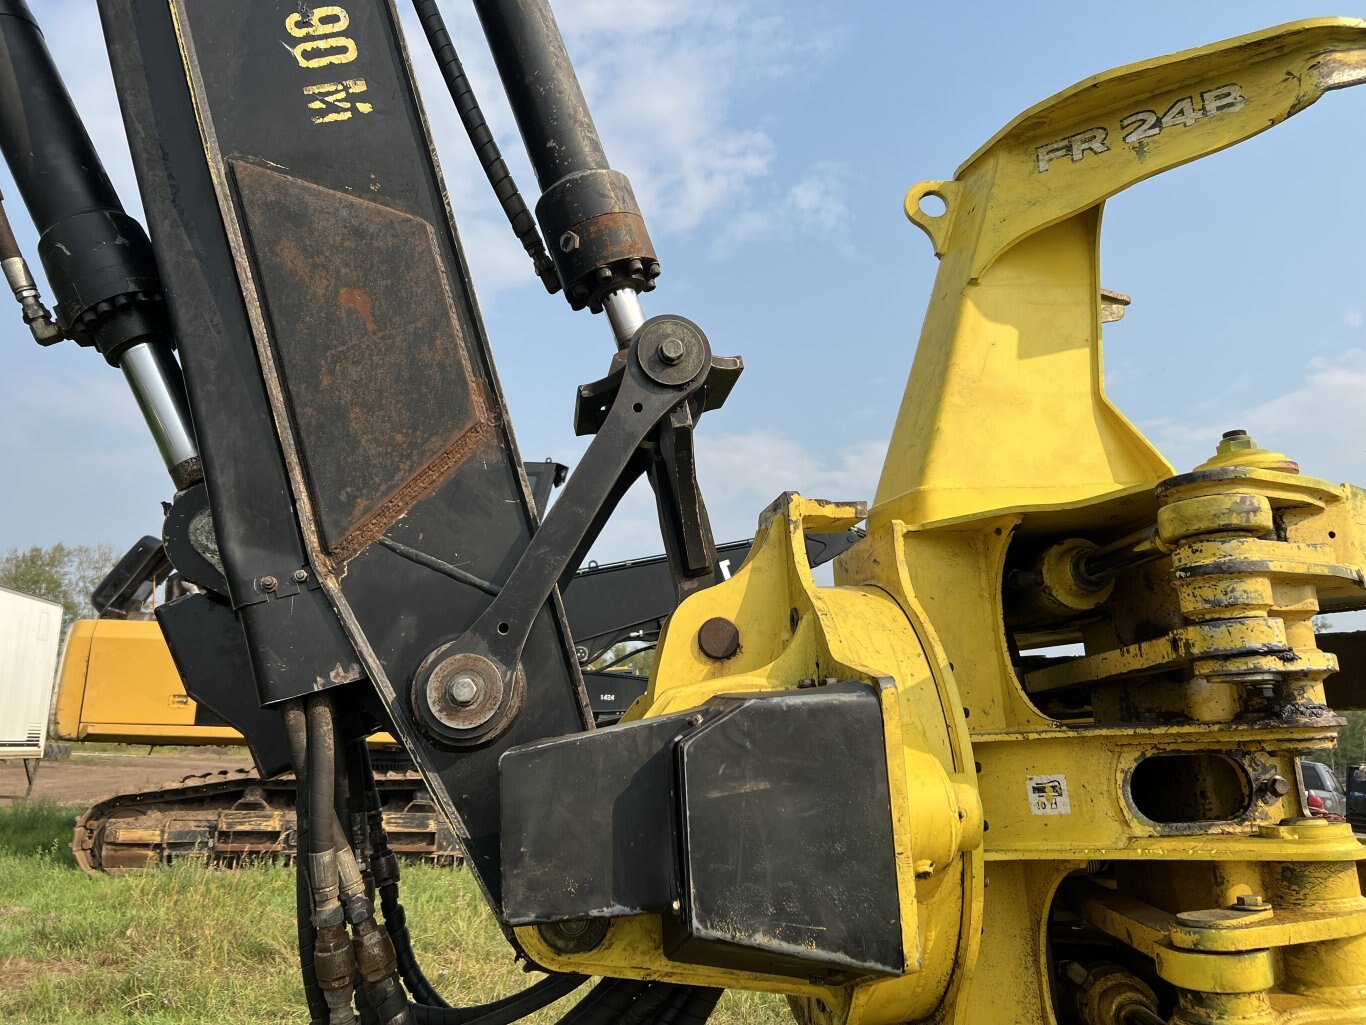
(1356, 797)
(1320, 781)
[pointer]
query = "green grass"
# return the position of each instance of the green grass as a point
(187, 944)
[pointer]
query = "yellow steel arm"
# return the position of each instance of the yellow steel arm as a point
(1014, 326)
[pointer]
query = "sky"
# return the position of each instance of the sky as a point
(771, 143)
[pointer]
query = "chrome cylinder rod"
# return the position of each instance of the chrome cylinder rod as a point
(154, 376)
(625, 312)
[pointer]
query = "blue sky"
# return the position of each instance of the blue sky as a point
(771, 143)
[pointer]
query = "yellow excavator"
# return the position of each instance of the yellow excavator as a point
(884, 798)
(117, 683)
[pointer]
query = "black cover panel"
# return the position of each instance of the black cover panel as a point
(787, 854)
(588, 824)
(768, 819)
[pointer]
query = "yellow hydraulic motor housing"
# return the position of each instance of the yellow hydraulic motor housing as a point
(1115, 837)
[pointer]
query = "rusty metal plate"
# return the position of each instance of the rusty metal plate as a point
(373, 358)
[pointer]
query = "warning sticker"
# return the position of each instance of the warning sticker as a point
(1048, 795)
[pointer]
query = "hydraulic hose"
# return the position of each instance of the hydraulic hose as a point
(691, 1007)
(334, 961)
(296, 728)
(505, 1011)
(640, 1003)
(485, 148)
(383, 864)
(605, 1002)
(322, 760)
(642, 1010)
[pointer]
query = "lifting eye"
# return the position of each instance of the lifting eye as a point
(932, 205)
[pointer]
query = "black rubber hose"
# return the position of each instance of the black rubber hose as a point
(485, 147)
(296, 729)
(396, 923)
(657, 1003)
(358, 783)
(9, 245)
(691, 1007)
(505, 1011)
(642, 1011)
(605, 1002)
(395, 917)
(322, 779)
(364, 1011)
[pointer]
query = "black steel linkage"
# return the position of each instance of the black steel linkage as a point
(468, 690)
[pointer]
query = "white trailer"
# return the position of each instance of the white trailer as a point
(30, 634)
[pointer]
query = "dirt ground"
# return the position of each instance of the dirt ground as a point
(86, 777)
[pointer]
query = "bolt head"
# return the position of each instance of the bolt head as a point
(269, 583)
(463, 689)
(569, 242)
(671, 350)
(300, 575)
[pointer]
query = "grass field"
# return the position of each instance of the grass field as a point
(189, 945)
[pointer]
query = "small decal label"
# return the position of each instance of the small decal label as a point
(1048, 795)
(1141, 125)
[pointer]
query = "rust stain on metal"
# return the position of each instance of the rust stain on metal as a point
(359, 300)
(614, 236)
(344, 674)
(384, 396)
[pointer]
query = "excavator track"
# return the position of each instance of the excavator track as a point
(233, 816)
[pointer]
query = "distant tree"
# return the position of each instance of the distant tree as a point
(1351, 749)
(62, 573)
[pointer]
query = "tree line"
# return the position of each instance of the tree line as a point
(66, 574)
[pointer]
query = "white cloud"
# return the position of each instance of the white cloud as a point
(812, 207)
(665, 85)
(1320, 423)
